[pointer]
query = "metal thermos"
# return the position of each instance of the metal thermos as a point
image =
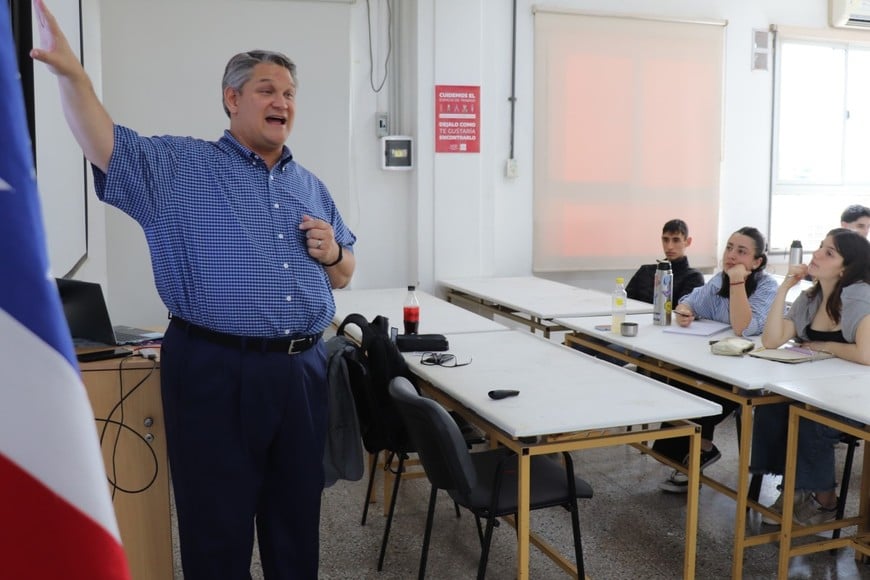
(795, 253)
(663, 293)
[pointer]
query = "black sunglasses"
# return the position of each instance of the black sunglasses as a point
(441, 359)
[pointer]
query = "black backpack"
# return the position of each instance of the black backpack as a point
(371, 366)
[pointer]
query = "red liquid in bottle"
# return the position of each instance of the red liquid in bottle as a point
(411, 315)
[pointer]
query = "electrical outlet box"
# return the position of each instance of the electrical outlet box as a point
(511, 169)
(383, 125)
(396, 152)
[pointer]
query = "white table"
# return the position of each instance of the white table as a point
(567, 401)
(436, 315)
(534, 301)
(688, 360)
(845, 396)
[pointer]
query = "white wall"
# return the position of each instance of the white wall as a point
(455, 214)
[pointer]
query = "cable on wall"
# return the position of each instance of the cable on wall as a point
(513, 97)
(371, 49)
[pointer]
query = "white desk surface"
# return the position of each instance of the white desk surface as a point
(436, 315)
(561, 390)
(693, 353)
(846, 395)
(540, 297)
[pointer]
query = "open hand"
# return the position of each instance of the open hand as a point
(54, 49)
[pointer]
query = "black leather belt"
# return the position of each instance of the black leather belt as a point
(293, 345)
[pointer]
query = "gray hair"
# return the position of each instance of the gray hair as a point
(240, 67)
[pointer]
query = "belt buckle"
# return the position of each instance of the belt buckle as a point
(302, 342)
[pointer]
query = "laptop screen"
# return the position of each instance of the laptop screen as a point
(86, 312)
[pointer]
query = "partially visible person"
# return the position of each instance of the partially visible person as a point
(856, 218)
(740, 295)
(832, 316)
(675, 240)
(246, 247)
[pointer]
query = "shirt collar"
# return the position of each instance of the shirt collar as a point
(230, 141)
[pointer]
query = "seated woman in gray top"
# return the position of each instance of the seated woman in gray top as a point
(831, 317)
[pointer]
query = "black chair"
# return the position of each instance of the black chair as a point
(484, 482)
(382, 430)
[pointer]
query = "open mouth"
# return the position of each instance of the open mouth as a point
(275, 120)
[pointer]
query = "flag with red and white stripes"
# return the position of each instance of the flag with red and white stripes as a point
(56, 517)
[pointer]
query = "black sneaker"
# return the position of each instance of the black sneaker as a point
(678, 482)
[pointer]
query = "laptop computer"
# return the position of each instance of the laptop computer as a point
(88, 318)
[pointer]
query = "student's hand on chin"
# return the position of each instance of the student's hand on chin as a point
(737, 272)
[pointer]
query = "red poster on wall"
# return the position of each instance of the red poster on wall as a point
(457, 119)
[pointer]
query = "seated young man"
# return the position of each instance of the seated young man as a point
(675, 240)
(857, 219)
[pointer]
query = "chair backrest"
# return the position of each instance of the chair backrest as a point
(436, 438)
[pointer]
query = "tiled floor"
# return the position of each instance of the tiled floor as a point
(631, 530)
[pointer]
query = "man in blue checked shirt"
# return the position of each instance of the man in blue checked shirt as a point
(246, 246)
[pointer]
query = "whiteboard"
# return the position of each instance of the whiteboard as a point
(60, 166)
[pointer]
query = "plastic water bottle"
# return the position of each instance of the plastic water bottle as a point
(618, 306)
(411, 311)
(663, 293)
(795, 254)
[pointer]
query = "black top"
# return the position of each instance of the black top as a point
(825, 335)
(686, 279)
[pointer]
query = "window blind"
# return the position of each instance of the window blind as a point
(628, 134)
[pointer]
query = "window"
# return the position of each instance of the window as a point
(628, 130)
(821, 137)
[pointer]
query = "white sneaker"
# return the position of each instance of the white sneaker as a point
(811, 512)
(799, 498)
(678, 482)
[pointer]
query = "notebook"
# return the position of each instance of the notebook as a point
(791, 354)
(88, 318)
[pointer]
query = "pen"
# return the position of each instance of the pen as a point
(681, 313)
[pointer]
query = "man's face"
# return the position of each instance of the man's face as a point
(262, 112)
(674, 245)
(860, 225)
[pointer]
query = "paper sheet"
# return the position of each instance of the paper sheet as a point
(699, 328)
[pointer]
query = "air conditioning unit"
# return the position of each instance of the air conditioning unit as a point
(850, 13)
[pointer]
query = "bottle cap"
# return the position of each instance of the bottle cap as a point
(663, 265)
(796, 244)
(620, 280)
(411, 288)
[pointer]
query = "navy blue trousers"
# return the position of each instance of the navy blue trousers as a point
(245, 434)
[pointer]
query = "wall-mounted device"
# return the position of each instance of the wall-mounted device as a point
(396, 152)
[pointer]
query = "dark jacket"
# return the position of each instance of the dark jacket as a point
(640, 287)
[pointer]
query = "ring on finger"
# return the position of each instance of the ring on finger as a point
(319, 243)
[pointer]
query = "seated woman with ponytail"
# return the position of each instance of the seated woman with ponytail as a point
(740, 295)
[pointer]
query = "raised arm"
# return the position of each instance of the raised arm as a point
(740, 311)
(778, 330)
(88, 120)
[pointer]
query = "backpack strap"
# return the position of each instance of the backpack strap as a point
(353, 318)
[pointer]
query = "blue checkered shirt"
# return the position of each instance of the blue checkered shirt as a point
(223, 232)
(706, 303)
